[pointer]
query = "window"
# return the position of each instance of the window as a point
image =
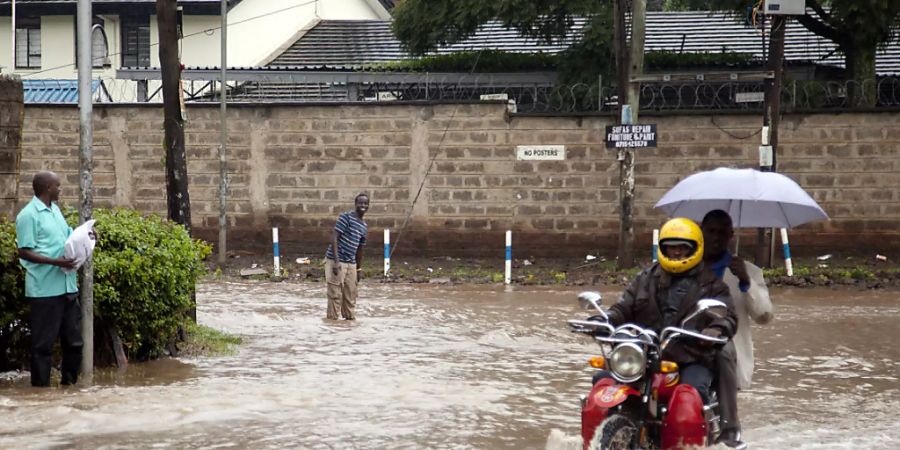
(28, 43)
(99, 44)
(135, 41)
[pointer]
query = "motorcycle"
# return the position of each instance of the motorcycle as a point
(642, 404)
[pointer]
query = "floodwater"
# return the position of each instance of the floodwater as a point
(452, 367)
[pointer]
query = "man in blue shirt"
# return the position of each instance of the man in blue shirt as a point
(41, 232)
(343, 268)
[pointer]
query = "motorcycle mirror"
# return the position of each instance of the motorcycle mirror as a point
(588, 299)
(703, 305)
(708, 303)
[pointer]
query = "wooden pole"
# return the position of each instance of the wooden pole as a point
(177, 199)
(771, 119)
(628, 67)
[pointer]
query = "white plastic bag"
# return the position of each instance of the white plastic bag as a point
(80, 245)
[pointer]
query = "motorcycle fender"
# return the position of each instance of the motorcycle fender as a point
(684, 424)
(604, 395)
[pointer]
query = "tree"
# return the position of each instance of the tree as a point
(423, 25)
(857, 27)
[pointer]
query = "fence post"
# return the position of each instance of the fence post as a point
(277, 257)
(387, 251)
(655, 247)
(788, 266)
(508, 269)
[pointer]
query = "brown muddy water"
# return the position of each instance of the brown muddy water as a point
(452, 368)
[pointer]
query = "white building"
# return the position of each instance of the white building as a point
(125, 34)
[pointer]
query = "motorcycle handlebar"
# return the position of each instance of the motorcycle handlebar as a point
(669, 333)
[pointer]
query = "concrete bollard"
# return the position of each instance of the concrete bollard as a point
(387, 251)
(788, 266)
(508, 272)
(277, 257)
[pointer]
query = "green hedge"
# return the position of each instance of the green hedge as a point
(145, 269)
(569, 63)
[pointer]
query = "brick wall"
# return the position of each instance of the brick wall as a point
(297, 167)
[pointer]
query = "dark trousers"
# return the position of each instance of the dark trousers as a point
(53, 317)
(696, 375)
(726, 360)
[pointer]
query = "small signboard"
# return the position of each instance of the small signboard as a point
(502, 96)
(630, 136)
(541, 152)
(749, 97)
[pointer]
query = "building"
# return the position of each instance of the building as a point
(125, 35)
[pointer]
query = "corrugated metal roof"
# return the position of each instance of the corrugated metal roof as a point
(54, 91)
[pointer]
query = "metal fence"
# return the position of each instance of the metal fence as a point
(537, 97)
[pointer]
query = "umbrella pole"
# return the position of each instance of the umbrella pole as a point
(737, 244)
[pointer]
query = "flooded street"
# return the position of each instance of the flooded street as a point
(452, 367)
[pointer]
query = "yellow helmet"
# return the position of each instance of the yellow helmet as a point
(685, 231)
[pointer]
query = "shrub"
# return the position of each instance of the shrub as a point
(145, 269)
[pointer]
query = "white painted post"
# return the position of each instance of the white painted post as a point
(277, 258)
(508, 272)
(788, 266)
(387, 251)
(655, 248)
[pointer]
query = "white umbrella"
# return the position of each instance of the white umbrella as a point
(752, 199)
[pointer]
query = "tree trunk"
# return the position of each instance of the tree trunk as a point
(862, 85)
(177, 198)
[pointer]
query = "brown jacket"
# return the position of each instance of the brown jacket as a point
(640, 304)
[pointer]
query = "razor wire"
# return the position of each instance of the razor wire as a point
(529, 97)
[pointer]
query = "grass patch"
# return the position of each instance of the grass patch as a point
(201, 340)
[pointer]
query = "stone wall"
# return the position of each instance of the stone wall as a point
(298, 166)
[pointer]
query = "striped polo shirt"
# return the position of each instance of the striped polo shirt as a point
(352, 235)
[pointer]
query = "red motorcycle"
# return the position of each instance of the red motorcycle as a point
(643, 405)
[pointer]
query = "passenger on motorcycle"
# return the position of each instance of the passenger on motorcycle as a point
(665, 293)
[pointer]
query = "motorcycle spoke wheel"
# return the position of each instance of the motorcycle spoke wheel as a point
(617, 432)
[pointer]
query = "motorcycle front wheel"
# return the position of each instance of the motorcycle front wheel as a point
(617, 432)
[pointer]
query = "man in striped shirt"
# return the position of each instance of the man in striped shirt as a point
(343, 267)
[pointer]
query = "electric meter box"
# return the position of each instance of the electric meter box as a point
(785, 7)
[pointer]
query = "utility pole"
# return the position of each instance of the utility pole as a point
(223, 137)
(177, 198)
(768, 150)
(86, 178)
(628, 67)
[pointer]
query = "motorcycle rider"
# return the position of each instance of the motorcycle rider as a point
(665, 293)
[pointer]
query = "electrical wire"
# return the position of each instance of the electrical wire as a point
(430, 165)
(207, 31)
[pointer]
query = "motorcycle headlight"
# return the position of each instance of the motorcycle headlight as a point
(627, 362)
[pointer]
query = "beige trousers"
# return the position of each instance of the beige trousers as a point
(341, 290)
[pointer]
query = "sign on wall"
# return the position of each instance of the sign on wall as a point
(541, 152)
(630, 136)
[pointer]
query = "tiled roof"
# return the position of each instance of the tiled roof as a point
(693, 32)
(54, 91)
(359, 42)
(355, 43)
